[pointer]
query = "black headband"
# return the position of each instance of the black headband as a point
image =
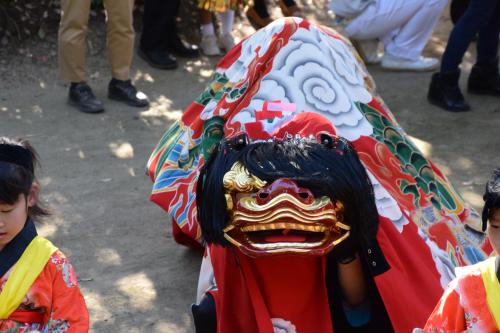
(16, 155)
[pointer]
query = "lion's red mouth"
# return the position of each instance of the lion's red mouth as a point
(270, 238)
(284, 236)
(284, 233)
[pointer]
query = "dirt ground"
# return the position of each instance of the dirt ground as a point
(134, 277)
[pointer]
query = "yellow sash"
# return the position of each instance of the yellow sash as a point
(492, 286)
(24, 273)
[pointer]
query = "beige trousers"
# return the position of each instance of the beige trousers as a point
(73, 33)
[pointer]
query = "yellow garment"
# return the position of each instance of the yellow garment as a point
(219, 5)
(24, 273)
(492, 286)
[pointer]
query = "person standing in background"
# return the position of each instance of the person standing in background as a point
(120, 41)
(403, 26)
(225, 10)
(160, 41)
(481, 18)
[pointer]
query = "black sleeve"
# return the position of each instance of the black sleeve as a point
(380, 321)
(204, 315)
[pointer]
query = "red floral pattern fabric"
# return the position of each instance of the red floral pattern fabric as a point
(463, 307)
(53, 304)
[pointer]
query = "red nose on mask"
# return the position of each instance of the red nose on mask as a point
(284, 185)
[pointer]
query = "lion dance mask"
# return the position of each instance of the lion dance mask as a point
(289, 165)
(281, 217)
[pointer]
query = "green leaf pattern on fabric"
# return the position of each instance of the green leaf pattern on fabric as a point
(412, 161)
(218, 86)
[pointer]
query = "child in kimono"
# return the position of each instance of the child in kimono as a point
(38, 287)
(471, 303)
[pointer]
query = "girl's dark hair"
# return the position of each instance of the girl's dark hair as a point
(17, 179)
(491, 197)
(331, 168)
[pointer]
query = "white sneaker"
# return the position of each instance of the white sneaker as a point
(422, 64)
(368, 50)
(227, 41)
(209, 46)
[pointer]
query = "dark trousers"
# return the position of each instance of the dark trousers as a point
(158, 23)
(481, 18)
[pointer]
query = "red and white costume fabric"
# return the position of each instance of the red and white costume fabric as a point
(262, 86)
(465, 305)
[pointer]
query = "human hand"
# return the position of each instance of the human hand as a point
(345, 251)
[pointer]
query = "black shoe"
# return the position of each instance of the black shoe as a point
(124, 91)
(484, 79)
(445, 92)
(160, 59)
(180, 48)
(81, 96)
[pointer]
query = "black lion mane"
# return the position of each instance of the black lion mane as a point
(331, 168)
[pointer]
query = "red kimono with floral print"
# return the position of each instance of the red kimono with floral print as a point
(463, 307)
(53, 303)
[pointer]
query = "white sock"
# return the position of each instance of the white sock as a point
(227, 20)
(207, 29)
